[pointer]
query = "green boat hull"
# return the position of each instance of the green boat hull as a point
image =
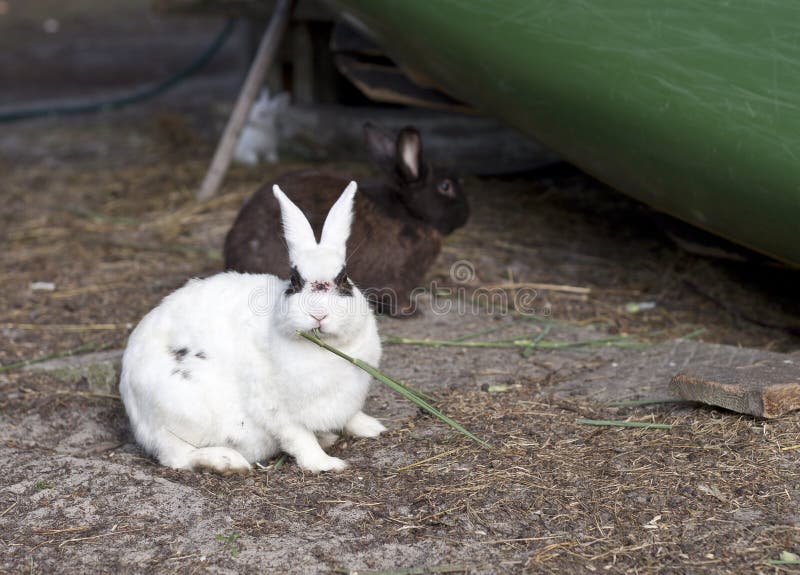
(691, 107)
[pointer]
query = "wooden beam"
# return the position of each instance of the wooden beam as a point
(265, 57)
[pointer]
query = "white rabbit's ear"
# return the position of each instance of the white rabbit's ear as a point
(296, 229)
(337, 225)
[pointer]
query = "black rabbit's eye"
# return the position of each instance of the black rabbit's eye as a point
(445, 188)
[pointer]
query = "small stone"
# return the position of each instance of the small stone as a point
(101, 369)
(42, 286)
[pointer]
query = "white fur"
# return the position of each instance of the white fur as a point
(217, 377)
(296, 229)
(337, 225)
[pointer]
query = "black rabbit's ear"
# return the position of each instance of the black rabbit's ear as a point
(409, 154)
(381, 146)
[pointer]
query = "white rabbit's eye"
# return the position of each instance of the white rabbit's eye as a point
(343, 285)
(445, 188)
(296, 282)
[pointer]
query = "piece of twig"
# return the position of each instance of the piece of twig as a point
(7, 509)
(113, 396)
(77, 539)
(66, 326)
(265, 56)
(544, 287)
(432, 458)
(71, 292)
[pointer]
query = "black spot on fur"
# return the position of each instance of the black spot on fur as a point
(201, 355)
(184, 373)
(179, 354)
(296, 282)
(343, 284)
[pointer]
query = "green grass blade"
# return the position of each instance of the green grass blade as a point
(616, 423)
(617, 341)
(528, 351)
(693, 334)
(634, 402)
(408, 570)
(85, 348)
(475, 334)
(394, 385)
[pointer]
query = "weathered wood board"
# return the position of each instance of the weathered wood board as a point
(766, 386)
(744, 380)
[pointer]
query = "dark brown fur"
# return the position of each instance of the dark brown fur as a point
(397, 229)
(383, 252)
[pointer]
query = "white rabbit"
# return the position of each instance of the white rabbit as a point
(259, 138)
(216, 376)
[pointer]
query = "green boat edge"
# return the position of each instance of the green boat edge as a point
(691, 107)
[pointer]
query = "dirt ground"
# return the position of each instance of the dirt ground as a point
(102, 207)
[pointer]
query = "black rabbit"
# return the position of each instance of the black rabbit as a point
(397, 231)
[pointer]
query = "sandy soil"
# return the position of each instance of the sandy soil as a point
(102, 207)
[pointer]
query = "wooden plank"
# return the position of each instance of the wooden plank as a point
(766, 386)
(388, 83)
(264, 59)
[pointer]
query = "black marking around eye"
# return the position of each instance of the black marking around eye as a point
(296, 282)
(343, 284)
(179, 354)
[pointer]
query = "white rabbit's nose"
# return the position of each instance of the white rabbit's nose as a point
(319, 317)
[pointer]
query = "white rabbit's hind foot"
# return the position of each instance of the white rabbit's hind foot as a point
(363, 425)
(222, 460)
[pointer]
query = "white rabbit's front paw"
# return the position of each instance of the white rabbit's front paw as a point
(321, 462)
(326, 439)
(362, 425)
(218, 459)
